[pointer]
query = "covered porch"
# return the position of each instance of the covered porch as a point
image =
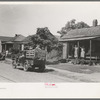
(7, 46)
(91, 45)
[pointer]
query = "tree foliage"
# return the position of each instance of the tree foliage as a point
(72, 25)
(44, 38)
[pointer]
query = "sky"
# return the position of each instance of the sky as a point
(25, 18)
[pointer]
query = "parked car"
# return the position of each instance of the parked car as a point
(2, 56)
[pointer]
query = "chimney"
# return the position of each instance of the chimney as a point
(95, 22)
(15, 35)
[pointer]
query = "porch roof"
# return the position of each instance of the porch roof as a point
(9, 42)
(5, 38)
(76, 39)
(82, 34)
(18, 38)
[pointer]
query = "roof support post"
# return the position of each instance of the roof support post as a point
(90, 51)
(67, 56)
(0, 47)
(78, 44)
(22, 47)
(65, 50)
(5, 46)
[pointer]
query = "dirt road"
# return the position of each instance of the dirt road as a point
(8, 74)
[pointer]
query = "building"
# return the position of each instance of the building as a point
(17, 41)
(87, 37)
(3, 45)
(6, 43)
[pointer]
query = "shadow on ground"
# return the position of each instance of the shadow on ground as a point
(20, 69)
(36, 70)
(77, 68)
(48, 70)
(52, 62)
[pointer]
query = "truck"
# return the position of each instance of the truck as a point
(30, 59)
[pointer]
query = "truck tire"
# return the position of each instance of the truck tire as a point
(42, 67)
(33, 68)
(25, 67)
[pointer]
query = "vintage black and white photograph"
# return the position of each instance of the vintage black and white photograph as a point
(50, 42)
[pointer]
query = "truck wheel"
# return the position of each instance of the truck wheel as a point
(33, 68)
(25, 67)
(14, 65)
(42, 67)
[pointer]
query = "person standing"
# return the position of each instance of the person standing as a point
(83, 53)
(76, 51)
(37, 51)
(76, 54)
(6, 52)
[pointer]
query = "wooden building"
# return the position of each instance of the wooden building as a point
(3, 44)
(6, 43)
(87, 37)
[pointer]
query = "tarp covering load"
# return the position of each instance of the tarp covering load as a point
(40, 54)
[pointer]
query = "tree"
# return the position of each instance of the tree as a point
(81, 25)
(44, 38)
(70, 25)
